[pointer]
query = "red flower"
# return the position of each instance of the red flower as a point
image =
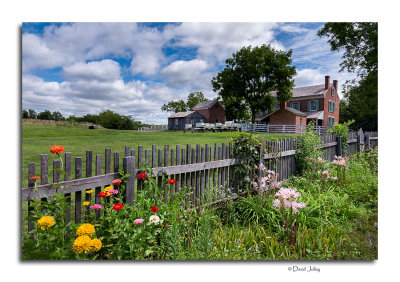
(154, 209)
(35, 177)
(116, 182)
(172, 181)
(104, 194)
(142, 176)
(117, 207)
(56, 149)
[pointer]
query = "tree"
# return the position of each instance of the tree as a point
(56, 115)
(360, 44)
(32, 114)
(25, 114)
(181, 106)
(249, 78)
(46, 115)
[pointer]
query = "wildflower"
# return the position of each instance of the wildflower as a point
(56, 149)
(286, 193)
(113, 192)
(154, 209)
(340, 161)
(45, 222)
(138, 221)
(86, 203)
(275, 185)
(35, 177)
(82, 243)
(116, 182)
(142, 176)
(89, 191)
(155, 219)
(85, 229)
(172, 181)
(107, 189)
(96, 207)
(117, 207)
(95, 245)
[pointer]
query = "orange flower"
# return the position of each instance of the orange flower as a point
(116, 182)
(171, 181)
(35, 177)
(57, 149)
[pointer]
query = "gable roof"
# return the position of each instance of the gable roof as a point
(206, 105)
(313, 90)
(294, 111)
(181, 114)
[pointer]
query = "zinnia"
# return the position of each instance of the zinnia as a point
(142, 176)
(172, 181)
(35, 177)
(113, 192)
(85, 229)
(57, 149)
(138, 221)
(89, 191)
(45, 222)
(155, 219)
(82, 243)
(96, 207)
(86, 203)
(107, 189)
(116, 182)
(104, 194)
(117, 207)
(154, 209)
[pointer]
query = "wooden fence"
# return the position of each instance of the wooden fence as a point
(154, 128)
(283, 129)
(207, 170)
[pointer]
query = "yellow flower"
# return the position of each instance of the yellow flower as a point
(89, 191)
(82, 243)
(95, 245)
(45, 222)
(108, 188)
(86, 203)
(85, 229)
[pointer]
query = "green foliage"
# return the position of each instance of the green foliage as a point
(32, 114)
(250, 76)
(308, 146)
(181, 106)
(246, 149)
(360, 44)
(25, 114)
(46, 115)
(342, 130)
(56, 115)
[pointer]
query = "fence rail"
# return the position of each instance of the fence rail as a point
(284, 129)
(200, 168)
(154, 128)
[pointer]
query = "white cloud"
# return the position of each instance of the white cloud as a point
(181, 73)
(105, 70)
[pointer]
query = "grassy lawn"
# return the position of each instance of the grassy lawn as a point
(37, 139)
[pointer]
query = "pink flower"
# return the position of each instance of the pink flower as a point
(277, 203)
(286, 193)
(113, 192)
(138, 221)
(96, 207)
(275, 185)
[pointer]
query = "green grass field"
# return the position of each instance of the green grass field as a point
(37, 139)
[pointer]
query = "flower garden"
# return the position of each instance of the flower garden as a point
(327, 212)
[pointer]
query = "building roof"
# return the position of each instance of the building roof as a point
(317, 115)
(296, 112)
(313, 90)
(181, 114)
(205, 105)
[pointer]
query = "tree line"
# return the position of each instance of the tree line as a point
(107, 119)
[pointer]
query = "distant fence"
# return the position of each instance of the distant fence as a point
(283, 129)
(154, 127)
(200, 168)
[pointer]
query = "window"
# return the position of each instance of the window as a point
(333, 91)
(331, 121)
(295, 105)
(176, 121)
(313, 105)
(217, 120)
(331, 107)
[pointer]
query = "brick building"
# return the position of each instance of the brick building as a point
(207, 112)
(319, 103)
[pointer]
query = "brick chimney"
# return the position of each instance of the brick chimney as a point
(335, 84)
(327, 77)
(282, 105)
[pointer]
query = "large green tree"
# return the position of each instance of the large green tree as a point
(359, 40)
(249, 77)
(181, 106)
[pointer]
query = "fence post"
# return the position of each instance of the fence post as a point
(339, 146)
(367, 140)
(129, 167)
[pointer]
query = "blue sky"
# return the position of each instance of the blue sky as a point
(134, 68)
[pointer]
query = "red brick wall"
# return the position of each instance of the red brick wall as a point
(283, 117)
(336, 100)
(214, 113)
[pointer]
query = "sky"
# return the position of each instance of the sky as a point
(134, 68)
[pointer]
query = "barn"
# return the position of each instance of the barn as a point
(177, 121)
(213, 111)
